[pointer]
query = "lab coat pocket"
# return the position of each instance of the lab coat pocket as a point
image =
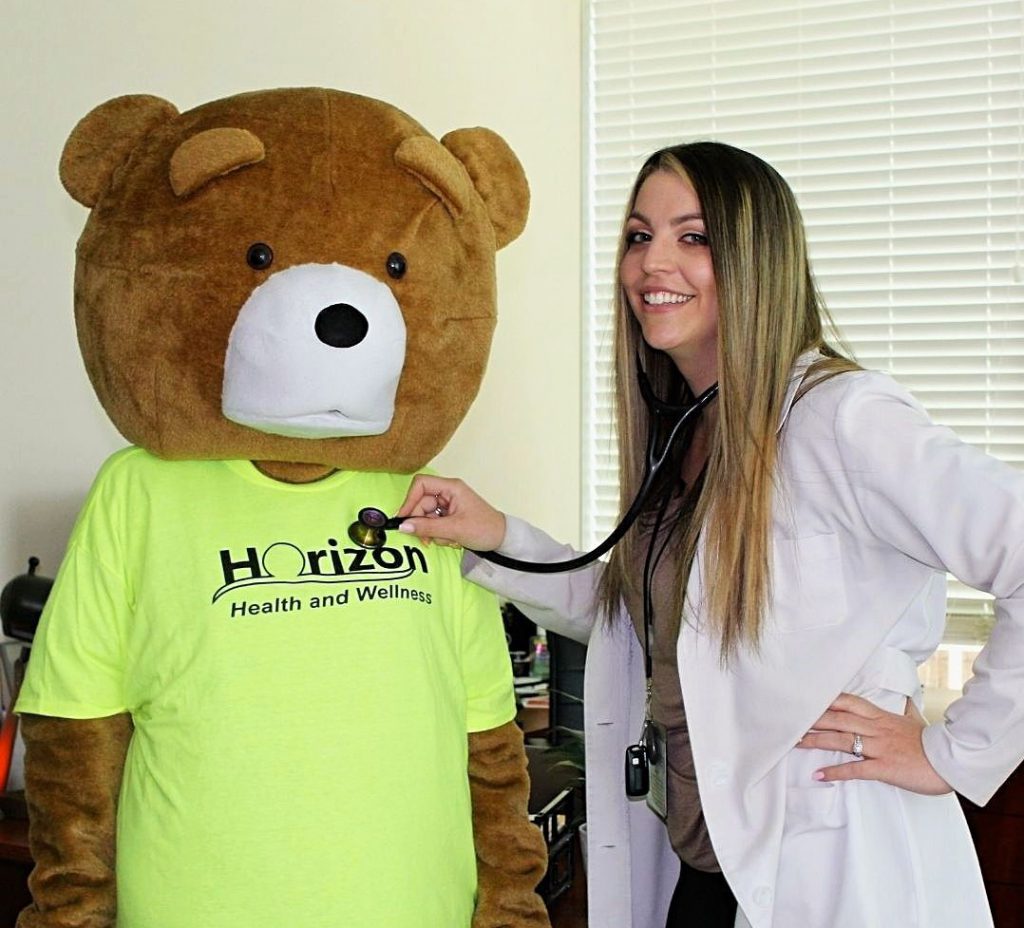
(807, 582)
(811, 809)
(844, 859)
(812, 855)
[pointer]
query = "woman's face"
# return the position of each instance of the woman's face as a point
(668, 279)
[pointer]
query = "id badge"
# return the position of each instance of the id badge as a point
(657, 795)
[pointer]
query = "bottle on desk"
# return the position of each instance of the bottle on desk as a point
(540, 657)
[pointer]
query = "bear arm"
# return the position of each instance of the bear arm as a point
(73, 770)
(511, 856)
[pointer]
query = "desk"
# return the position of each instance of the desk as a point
(570, 909)
(15, 864)
(998, 832)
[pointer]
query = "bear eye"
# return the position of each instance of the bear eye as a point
(259, 256)
(396, 265)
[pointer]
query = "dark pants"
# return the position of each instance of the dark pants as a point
(701, 900)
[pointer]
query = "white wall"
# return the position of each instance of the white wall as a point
(511, 66)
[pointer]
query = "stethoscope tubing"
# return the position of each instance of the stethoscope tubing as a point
(654, 462)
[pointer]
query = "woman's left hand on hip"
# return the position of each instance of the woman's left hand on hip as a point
(885, 746)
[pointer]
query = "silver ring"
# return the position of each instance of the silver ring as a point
(439, 511)
(858, 747)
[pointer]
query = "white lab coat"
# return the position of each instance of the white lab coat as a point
(874, 504)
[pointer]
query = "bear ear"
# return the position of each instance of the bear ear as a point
(210, 154)
(103, 140)
(498, 177)
(482, 159)
(437, 170)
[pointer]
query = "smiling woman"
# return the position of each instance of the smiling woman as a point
(901, 200)
(668, 278)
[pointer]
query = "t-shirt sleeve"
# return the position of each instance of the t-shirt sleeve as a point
(486, 666)
(76, 668)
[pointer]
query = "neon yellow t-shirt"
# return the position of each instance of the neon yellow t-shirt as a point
(300, 704)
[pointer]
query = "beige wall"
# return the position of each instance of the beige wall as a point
(512, 66)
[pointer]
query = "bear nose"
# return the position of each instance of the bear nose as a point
(341, 326)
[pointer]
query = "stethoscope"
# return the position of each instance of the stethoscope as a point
(369, 529)
(371, 525)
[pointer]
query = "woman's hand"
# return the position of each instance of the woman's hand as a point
(890, 745)
(446, 510)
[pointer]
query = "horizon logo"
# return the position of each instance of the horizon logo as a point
(286, 563)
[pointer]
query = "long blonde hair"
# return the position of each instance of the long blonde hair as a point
(769, 313)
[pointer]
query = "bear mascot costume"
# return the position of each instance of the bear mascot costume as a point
(235, 713)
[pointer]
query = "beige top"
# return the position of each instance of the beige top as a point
(687, 830)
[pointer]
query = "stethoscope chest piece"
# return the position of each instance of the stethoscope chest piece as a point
(368, 531)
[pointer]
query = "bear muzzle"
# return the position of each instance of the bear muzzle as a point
(315, 352)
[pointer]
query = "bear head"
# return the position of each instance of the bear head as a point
(301, 277)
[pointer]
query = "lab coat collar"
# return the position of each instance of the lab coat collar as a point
(796, 377)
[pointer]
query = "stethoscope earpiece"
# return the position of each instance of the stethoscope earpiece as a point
(368, 531)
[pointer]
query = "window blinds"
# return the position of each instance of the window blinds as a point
(900, 126)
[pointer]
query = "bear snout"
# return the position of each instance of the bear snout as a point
(282, 374)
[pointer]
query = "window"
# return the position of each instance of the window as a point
(900, 126)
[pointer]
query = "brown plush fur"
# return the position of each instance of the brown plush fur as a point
(73, 773)
(511, 855)
(323, 177)
(345, 179)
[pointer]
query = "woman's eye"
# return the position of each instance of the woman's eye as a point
(694, 238)
(637, 237)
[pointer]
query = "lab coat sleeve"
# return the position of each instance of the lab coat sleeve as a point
(565, 603)
(950, 506)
